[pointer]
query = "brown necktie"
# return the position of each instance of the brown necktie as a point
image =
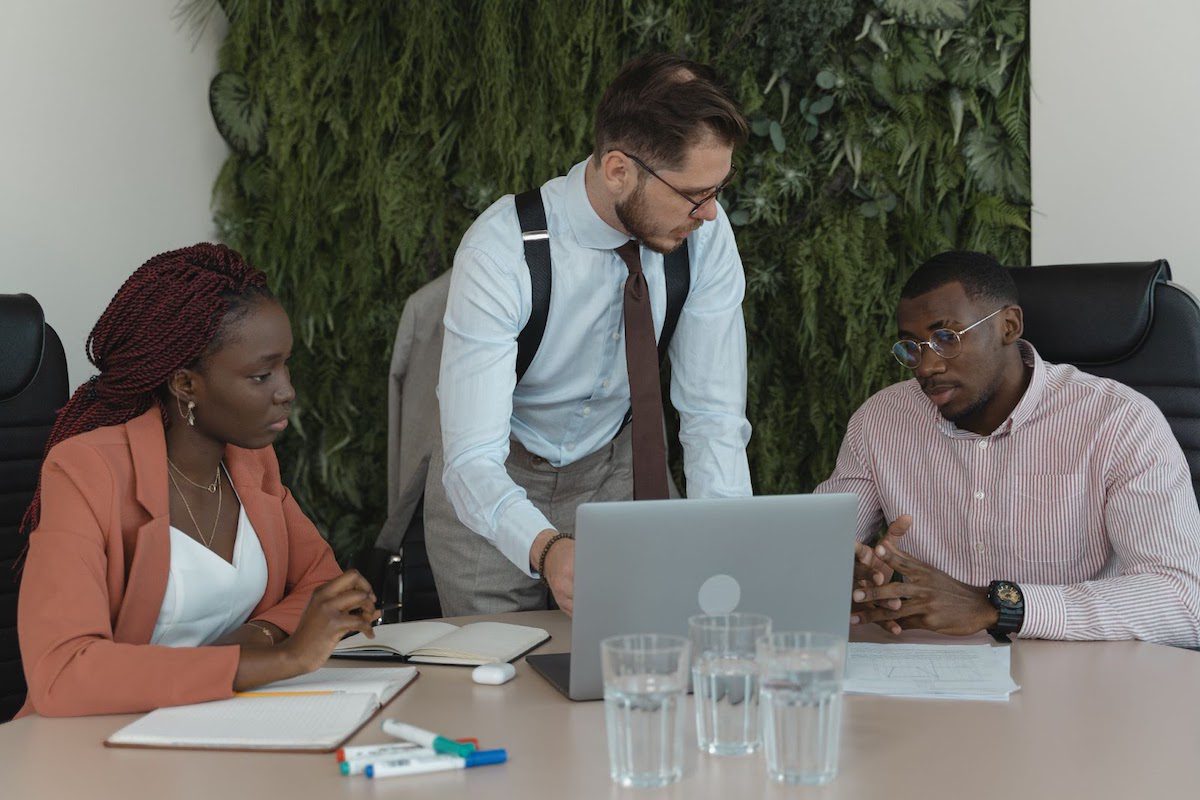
(641, 357)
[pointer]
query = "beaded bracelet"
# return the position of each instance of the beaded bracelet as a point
(541, 564)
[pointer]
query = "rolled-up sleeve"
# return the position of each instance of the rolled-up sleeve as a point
(310, 560)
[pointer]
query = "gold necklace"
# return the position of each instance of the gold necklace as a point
(216, 521)
(210, 488)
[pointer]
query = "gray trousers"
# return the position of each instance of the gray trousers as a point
(472, 576)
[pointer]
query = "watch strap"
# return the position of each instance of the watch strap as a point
(1010, 616)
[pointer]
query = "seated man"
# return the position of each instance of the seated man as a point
(1025, 497)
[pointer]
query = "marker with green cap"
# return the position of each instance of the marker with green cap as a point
(441, 744)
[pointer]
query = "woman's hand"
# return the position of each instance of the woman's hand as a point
(344, 605)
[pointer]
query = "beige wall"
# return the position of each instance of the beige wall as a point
(1115, 128)
(107, 150)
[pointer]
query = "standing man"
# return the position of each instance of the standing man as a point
(519, 457)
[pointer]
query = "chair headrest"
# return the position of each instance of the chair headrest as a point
(22, 337)
(1089, 314)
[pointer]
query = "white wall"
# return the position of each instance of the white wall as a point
(108, 153)
(1115, 129)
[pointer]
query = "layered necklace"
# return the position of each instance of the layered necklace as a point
(211, 488)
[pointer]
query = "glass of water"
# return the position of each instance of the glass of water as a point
(725, 680)
(645, 684)
(801, 696)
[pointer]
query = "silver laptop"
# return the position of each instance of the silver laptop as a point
(646, 566)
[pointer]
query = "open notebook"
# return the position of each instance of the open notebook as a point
(442, 643)
(314, 712)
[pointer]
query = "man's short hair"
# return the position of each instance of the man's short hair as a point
(981, 276)
(659, 105)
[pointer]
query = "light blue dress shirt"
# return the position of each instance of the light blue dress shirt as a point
(574, 396)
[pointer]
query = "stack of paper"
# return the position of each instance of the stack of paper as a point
(945, 672)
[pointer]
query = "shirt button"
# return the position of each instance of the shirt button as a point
(979, 546)
(979, 495)
(570, 446)
(616, 336)
(587, 410)
(604, 385)
(983, 444)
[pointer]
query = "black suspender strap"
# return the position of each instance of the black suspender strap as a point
(677, 274)
(532, 216)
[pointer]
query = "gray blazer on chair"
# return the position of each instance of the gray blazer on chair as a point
(414, 425)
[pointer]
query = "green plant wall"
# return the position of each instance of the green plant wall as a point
(368, 135)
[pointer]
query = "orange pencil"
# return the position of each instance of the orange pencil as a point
(280, 694)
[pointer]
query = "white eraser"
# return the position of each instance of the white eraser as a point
(494, 674)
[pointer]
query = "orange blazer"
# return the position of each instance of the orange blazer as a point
(97, 568)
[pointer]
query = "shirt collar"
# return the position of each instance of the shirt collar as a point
(1025, 408)
(589, 229)
(1032, 398)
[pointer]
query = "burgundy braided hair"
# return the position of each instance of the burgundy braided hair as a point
(165, 317)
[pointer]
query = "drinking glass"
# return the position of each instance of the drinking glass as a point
(645, 685)
(725, 681)
(801, 697)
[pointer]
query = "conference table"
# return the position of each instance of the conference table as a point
(1092, 719)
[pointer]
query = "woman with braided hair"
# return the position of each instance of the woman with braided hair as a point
(167, 562)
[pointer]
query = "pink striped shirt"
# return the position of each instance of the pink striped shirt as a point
(1082, 497)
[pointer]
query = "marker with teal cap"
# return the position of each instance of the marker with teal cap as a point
(440, 744)
(353, 763)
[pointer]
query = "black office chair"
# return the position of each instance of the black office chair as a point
(1127, 322)
(33, 387)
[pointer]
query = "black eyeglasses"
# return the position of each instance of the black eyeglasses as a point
(945, 342)
(696, 204)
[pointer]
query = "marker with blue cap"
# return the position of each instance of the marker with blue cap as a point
(355, 764)
(422, 766)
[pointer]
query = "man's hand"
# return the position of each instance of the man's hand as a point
(559, 569)
(870, 567)
(929, 599)
(871, 570)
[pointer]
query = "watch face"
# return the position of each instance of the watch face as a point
(1008, 594)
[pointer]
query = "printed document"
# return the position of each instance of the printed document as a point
(947, 672)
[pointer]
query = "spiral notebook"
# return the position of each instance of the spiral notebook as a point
(317, 712)
(430, 642)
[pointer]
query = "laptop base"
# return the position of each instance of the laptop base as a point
(555, 668)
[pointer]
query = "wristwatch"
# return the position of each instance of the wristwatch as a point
(1006, 597)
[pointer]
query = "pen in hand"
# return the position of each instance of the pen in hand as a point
(383, 609)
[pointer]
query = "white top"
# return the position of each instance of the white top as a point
(574, 396)
(207, 596)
